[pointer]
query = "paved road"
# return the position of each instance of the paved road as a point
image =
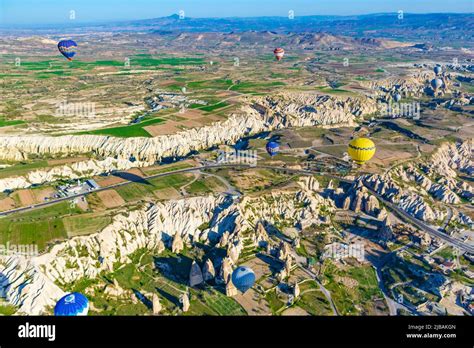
(420, 224)
(186, 170)
(450, 240)
(393, 305)
(325, 291)
(448, 218)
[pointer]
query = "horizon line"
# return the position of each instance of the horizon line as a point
(110, 21)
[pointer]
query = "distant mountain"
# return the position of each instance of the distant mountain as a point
(256, 39)
(429, 28)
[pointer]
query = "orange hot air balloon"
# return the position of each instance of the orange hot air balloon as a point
(279, 53)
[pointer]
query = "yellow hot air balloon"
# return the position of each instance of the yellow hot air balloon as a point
(361, 150)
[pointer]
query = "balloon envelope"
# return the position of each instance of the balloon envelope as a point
(74, 304)
(437, 83)
(437, 69)
(279, 53)
(361, 150)
(272, 148)
(243, 278)
(67, 48)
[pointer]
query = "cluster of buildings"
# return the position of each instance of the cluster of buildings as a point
(164, 100)
(77, 188)
(339, 251)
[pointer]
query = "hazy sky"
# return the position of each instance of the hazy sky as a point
(57, 11)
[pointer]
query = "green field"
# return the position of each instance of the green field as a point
(312, 300)
(213, 107)
(204, 186)
(83, 224)
(134, 130)
(22, 168)
(253, 87)
(7, 309)
(142, 277)
(273, 301)
(137, 191)
(330, 90)
(363, 294)
(217, 84)
(37, 227)
(147, 60)
(168, 168)
(6, 123)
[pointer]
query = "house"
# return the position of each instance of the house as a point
(447, 266)
(93, 185)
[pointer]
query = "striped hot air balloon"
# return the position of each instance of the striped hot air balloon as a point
(279, 53)
(67, 48)
(361, 150)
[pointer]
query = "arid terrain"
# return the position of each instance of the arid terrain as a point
(139, 169)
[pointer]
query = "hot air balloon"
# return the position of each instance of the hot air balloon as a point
(437, 70)
(279, 53)
(436, 83)
(397, 97)
(361, 150)
(272, 148)
(243, 278)
(67, 48)
(74, 304)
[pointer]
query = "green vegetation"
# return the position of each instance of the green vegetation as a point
(204, 186)
(312, 300)
(148, 60)
(85, 224)
(351, 287)
(273, 301)
(22, 168)
(446, 253)
(38, 227)
(137, 191)
(6, 123)
(217, 84)
(52, 73)
(141, 278)
(134, 130)
(330, 90)
(168, 168)
(7, 309)
(252, 87)
(212, 302)
(213, 107)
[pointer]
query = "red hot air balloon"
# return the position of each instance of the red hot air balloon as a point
(279, 53)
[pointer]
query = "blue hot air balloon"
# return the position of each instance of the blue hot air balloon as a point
(74, 304)
(436, 83)
(243, 278)
(272, 148)
(67, 48)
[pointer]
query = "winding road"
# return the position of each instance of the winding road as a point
(401, 213)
